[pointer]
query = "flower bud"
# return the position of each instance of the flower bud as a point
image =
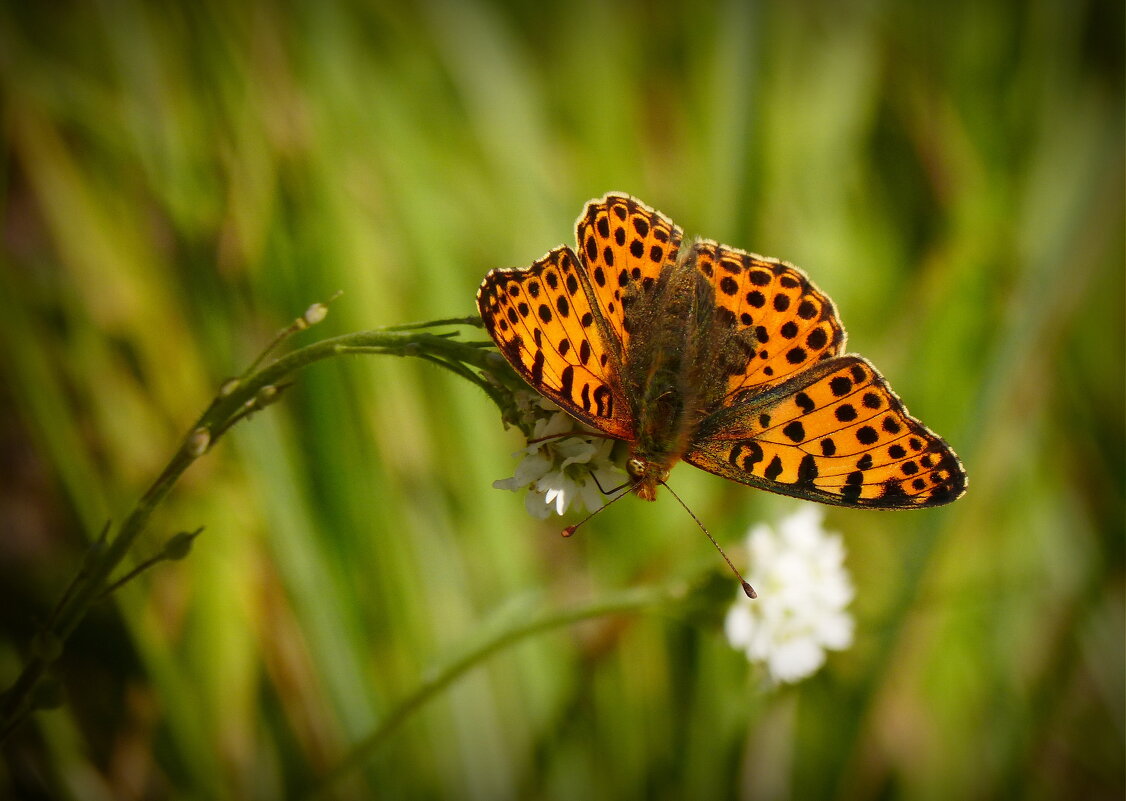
(198, 442)
(265, 396)
(315, 313)
(228, 386)
(180, 545)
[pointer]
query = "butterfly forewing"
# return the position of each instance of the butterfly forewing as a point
(624, 245)
(837, 435)
(541, 320)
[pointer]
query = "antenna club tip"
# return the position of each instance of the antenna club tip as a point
(750, 591)
(567, 532)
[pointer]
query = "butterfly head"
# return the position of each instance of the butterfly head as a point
(647, 475)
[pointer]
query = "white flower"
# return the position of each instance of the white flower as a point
(804, 591)
(560, 470)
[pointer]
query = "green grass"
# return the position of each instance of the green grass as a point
(180, 182)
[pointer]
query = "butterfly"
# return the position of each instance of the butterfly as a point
(724, 359)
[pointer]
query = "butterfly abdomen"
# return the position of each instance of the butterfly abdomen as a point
(662, 352)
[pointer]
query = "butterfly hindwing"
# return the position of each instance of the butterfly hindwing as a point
(624, 245)
(837, 435)
(541, 319)
(795, 325)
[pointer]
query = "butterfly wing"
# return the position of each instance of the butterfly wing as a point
(624, 245)
(837, 435)
(542, 321)
(794, 325)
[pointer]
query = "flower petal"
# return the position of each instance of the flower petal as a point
(804, 590)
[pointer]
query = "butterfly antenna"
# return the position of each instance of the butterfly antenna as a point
(747, 588)
(567, 532)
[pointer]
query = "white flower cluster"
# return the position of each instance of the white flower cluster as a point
(559, 471)
(804, 591)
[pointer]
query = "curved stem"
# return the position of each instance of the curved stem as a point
(438, 680)
(235, 402)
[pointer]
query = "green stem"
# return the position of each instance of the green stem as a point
(235, 403)
(626, 601)
(473, 321)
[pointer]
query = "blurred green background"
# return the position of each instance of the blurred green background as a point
(181, 180)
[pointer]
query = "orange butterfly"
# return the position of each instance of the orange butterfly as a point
(722, 358)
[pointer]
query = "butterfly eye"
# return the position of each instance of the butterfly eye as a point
(636, 467)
